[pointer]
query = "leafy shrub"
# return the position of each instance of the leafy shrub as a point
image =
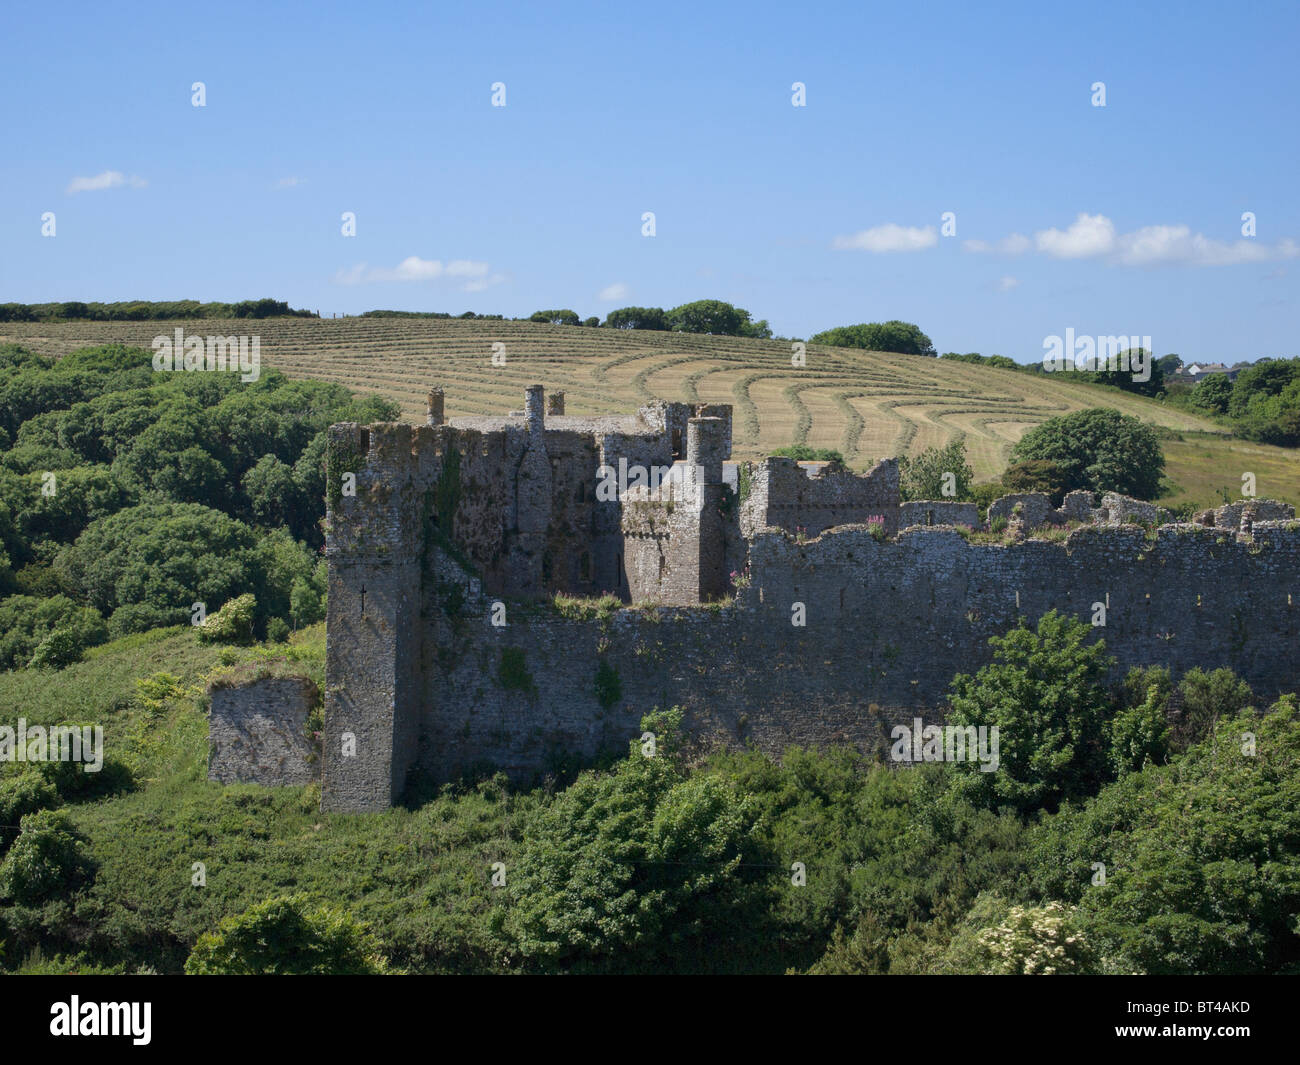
(60, 648)
(1001, 939)
(804, 453)
(627, 867)
(47, 859)
(233, 623)
(925, 476)
(287, 935)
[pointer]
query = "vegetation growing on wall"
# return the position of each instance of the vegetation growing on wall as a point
(512, 672)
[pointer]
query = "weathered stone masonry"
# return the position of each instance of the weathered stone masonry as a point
(442, 526)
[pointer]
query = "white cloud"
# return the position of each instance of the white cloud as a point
(1094, 236)
(413, 268)
(616, 291)
(1015, 244)
(1178, 244)
(1006, 284)
(109, 179)
(889, 238)
(481, 283)
(1088, 235)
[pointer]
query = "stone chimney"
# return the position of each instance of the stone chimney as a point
(435, 399)
(535, 409)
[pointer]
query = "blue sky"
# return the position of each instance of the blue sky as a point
(1123, 219)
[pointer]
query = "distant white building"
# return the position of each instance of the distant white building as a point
(1198, 370)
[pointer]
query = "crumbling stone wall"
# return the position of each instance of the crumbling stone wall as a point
(1035, 509)
(1242, 515)
(257, 732)
(782, 496)
(937, 512)
(1117, 509)
(887, 625)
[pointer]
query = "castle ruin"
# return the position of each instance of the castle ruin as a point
(775, 603)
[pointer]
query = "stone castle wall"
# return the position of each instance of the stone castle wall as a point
(887, 625)
(257, 732)
(781, 495)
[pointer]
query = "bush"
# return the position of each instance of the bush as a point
(277, 630)
(288, 935)
(60, 648)
(22, 794)
(925, 476)
(1204, 698)
(804, 453)
(625, 869)
(47, 859)
(1001, 939)
(233, 623)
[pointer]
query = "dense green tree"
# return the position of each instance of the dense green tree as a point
(1100, 450)
(895, 336)
(1213, 393)
(1200, 855)
(637, 318)
(26, 621)
(925, 476)
(717, 318)
(561, 317)
(272, 491)
(1044, 691)
(631, 867)
(1037, 475)
(166, 556)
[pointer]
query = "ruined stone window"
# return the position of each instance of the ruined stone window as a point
(677, 443)
(584, 567)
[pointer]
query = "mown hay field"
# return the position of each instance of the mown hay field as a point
(867, 405)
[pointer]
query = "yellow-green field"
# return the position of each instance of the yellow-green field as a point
(867, 405)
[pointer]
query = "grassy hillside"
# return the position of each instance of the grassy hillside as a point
(867, 405)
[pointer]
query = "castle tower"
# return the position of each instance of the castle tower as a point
(435, 407)
(707, 444)
(706, 447)
(373, 650)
